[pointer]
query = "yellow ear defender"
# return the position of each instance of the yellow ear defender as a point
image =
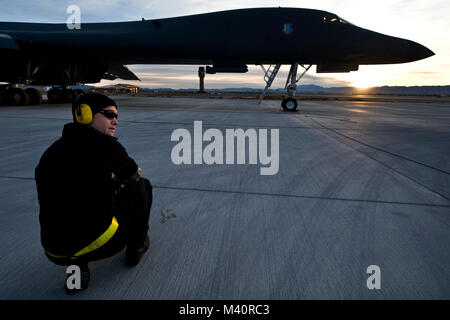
(83, 114)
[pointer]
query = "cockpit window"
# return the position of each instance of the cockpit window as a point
(332, 18)
(343, 21)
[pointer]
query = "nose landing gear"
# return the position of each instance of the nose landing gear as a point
(289, 103)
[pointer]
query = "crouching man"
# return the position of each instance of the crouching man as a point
(92, 199)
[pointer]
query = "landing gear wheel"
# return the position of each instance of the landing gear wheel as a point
(67, 95)
(79, 91)
(289, 104)
(34, 95)
(3, 97)
(18, 97)
(52, 95)
(61, 95)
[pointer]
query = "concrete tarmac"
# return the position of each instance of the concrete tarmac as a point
(359, 184)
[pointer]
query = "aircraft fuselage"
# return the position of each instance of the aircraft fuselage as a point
(226, 38)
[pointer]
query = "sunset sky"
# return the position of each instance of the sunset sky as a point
(423, 21)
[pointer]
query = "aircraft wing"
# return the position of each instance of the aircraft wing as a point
(21, 59)
(119, 71)
(6, 42)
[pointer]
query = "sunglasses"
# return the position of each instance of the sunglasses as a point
(109, 114)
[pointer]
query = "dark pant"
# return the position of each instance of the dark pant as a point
(132, 210)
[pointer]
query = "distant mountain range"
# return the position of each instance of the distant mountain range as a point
(313, 89)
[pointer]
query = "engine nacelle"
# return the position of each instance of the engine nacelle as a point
(226, 68)
(336, 67)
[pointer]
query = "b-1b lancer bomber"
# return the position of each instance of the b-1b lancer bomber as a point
(225, 41)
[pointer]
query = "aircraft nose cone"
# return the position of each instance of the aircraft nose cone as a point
(416, 51)
(420, 51)
(389, 49)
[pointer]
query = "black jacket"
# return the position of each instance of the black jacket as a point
(75, 189)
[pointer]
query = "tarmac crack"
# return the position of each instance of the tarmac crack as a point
(382, 150)
(383, 163)
(300, 196)
(266, 194)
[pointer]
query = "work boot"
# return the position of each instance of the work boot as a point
(85, 276)
(133, 255)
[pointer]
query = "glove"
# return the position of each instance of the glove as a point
(132, 179)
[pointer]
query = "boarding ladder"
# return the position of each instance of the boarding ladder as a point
(269, 75)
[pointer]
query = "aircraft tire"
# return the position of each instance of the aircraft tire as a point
(67, 95)
(34, 95)
(289, 104)
(3, 97)
(52, 95)
(18, 97)
(79, 91)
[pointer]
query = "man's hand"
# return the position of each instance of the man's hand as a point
(132, 179)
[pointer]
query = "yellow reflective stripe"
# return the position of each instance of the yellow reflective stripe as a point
(97, 243)
(54, 255)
